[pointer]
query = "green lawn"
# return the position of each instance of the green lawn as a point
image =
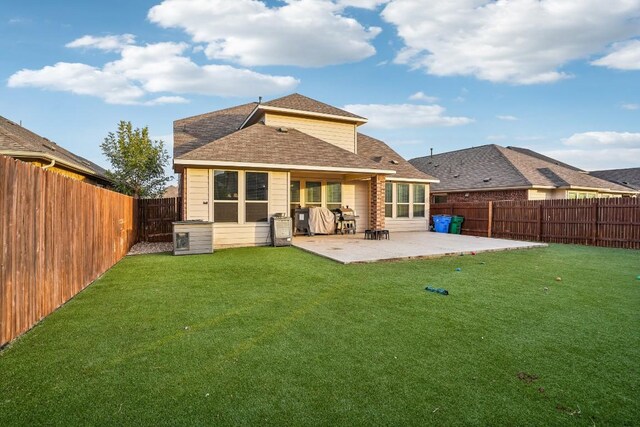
(276, 336)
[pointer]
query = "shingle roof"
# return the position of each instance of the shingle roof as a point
(17, 139)
(493, 166)
(193, 132)
(261, 144)
(629, 177)
(379, 152)
(303, 103)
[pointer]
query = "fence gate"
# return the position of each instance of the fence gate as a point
(156, 216)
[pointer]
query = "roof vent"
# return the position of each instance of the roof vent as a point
(625, 183)
(393, 162)
(283, 129)
(456, 175)
(377, 159)
(50, 147)
(486, 179)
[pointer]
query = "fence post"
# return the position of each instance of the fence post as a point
(594, 224)
(490, 222)
(539, 221)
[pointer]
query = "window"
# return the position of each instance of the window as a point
(418, 200)
(257, 197)
(334, 195)
(313, 193)
(294, 196)
(402, 200)
(388, 200)
(440, 199)
(225, 196)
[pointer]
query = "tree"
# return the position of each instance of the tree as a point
(138, 162)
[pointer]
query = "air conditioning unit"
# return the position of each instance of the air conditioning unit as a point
(281, 227)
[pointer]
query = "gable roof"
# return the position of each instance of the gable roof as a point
(495, 167)
(379, 152)
(629, 177)
(302, 103)
(261, 146)
(17, 141)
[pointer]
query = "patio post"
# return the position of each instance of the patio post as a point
(376, 209)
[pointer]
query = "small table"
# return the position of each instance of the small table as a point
(376, 234)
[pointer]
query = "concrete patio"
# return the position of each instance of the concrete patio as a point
(351, 248)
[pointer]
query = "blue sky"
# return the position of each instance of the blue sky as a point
(557, 76)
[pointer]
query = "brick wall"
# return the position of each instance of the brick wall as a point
(376, 210)
(486, 196)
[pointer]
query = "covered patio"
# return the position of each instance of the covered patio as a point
(351, 248)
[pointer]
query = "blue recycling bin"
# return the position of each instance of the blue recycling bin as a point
(441, 223)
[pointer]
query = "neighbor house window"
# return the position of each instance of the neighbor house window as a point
(225, 196)
(402, 200)
(257, 197)
(313, 193)
(388, 200)
(418, 200)
(440, 199)
(333, 195)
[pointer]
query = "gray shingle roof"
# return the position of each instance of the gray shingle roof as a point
(268, 145)
(379, 152)
(302, 103)
(17, 139)
(492, 166)
(629, 177)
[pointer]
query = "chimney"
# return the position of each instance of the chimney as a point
(259, 100)
(431, 152)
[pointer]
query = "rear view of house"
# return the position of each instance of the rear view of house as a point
(491, 173)
(241, 165)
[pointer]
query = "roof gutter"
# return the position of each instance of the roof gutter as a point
(53, 162)
(398, 179)
(271, 166)
(268, 108)
(53, 159)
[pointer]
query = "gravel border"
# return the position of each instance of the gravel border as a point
(142, 248)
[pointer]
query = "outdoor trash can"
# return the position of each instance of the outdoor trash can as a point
(456, 224)
(441, 223)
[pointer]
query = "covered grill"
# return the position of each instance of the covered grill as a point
(345, 220)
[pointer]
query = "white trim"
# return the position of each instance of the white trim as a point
(398, 179)
(268, 108)
(533, 187)
(271, 166)
(41, 155)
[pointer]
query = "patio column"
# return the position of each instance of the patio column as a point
(376, 208)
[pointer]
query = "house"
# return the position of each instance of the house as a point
(22, 144)
(241, 165)
(629, 177)
(491, 173)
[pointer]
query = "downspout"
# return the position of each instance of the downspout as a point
(53, 162)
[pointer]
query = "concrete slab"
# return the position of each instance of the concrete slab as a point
(402, 245)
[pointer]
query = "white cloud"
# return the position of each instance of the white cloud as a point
(401, 116)
(630, 107)
(306, 33)
(600, 150)
(106, 43)
(599, 139)
(152, 69)
(516, 41)
(421, 96)
(363, 4)
(625, 56)
(507, 118)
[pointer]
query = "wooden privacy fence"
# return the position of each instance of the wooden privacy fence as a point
(155, 217)
(597, 222)
(58, 235)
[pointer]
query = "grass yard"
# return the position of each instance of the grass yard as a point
(276, 336)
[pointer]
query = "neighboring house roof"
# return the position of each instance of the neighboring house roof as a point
(302, 103)
(491, 167)
(170, 191)
(193, 132)
(265, 146)
(381, 153)
(17, 141)
(629, 177)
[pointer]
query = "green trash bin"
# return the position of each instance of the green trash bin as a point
(456, 224)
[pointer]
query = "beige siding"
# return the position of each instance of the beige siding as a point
(198, 194)
(406, 224)
(537, 195)
(279, 192)
(336, 133)
(235, 235)
(361, 205)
